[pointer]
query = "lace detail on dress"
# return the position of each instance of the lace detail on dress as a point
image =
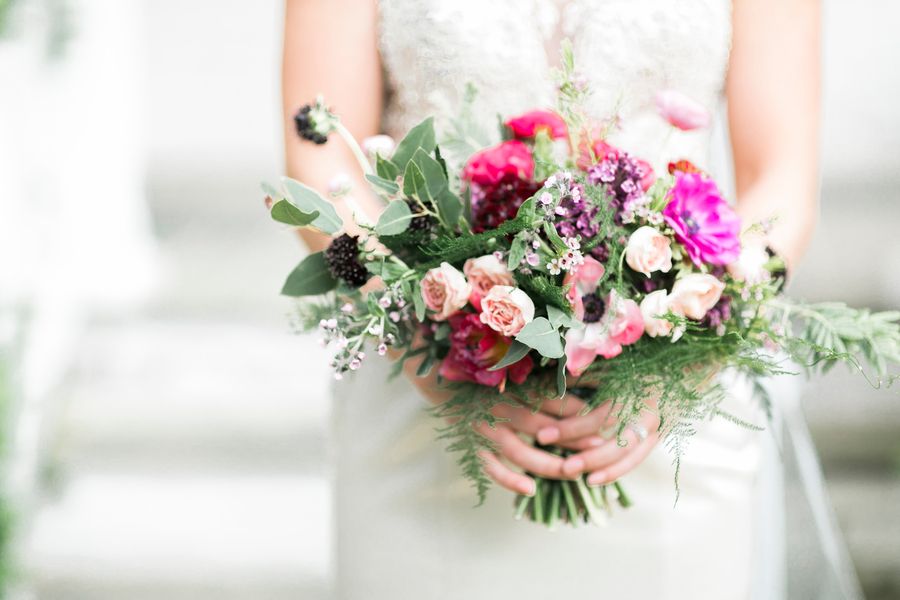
(628, 50)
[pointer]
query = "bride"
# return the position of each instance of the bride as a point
(405, 523)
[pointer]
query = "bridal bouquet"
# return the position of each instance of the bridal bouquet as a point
(554, 259)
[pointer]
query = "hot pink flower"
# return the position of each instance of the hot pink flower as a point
(488, 167)
(474, 349)
(681, 111)
(702, 220)
(527, 126)
(627, 323)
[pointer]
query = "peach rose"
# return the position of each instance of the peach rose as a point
(648, 250)
(695, 294)
(506, 309)
(655, 305)
(483, 274)
(445, 291)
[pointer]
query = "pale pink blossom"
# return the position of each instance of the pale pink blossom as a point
(681, 111)
(483, 273)
(506, 310)
(654, 306)
(581, 281)
(750, 266)
(584, 345)
(445, 291)
(626, 325)
(695, 294)
(648, 251)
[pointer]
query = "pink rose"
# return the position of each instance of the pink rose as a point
(527, 126)
(445, 291)
(648, 251)
(627, 324)
(507, 310)
(483, 274)
(681, 111)
(582, 281)
(654, 306)
(695, 294)
(474, 349)
(488, 167)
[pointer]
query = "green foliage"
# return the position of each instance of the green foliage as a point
(464, 136)
(420, 136)
(517, 351)
(308, 200)
(285, 212)
(543, 290)
(310, 278)
(395, 219)
(543, 337)
(386, 186)
(386, 168)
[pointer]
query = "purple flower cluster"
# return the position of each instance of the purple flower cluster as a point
(622, 176)
(719, 314)
(495, 204)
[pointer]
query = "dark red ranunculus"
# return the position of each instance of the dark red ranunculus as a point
(475, 348)
(526, 127)
(489, 166)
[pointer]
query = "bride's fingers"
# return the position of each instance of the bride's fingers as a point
(522, 454)
(506, 477)
(598, 458)
(628, 462)
(567, 406)
(525, 421)
(577, 426)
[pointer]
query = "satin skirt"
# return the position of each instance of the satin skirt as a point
(407, 526)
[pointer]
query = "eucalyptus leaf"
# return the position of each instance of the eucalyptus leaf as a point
(285, 212)
(560, 318)
(310, 278)
(554, 238)
(386, 185)
(449, 206)
(270, 190)
(386, 168)
(420, 136)
(516, 352)
(308, 200)
(418, 302)
(426, 365)
(543, 337)
(561, 377)
(395, 219)
(414, 184)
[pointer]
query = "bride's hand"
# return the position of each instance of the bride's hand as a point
(608, 461)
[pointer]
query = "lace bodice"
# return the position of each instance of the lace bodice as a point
(627, 49)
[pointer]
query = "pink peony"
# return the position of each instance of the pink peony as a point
(527, 126)
(506, 309)
(702, 220)
(483, 274)
(681, 111)
(474, 349)
(488, 167)
(445, 291)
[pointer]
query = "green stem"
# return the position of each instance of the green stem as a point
(538, 513)
(521, 506)
(553, 513)
(624, 500)
(571, 507)
(354, 147)
(593, 510)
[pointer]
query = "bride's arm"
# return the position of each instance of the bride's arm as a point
(330, 49)
(773, 113)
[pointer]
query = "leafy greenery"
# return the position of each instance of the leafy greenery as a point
(285, 212)
(310, 278)
(420, 136)
(308, 200)
(543, 337)
(395, 219)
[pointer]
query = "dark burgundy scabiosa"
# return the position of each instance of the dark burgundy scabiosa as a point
(594, 307)
(422, 222)
(342, 258)
(314, 122)
(499, 202)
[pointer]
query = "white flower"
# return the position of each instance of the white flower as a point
(695, 294)
(750, 266)
(379, 144)
(655, 305)
(648, 251)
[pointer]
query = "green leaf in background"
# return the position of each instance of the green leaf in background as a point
(308, 200)
(526, 210)
(560, 318)
(418, 302)
(268, 189)
(285, 212)
(426, 365)
(420, 136)
(395, 219)
(388, 271)
(553, 237)
(543, 337)
(384, 185)
(441, 161)
(311, 277)
(386, 168)
(561, 377)
(517, 351)
(435, 179)
(516, 251)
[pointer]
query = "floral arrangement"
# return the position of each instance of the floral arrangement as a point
(553, 259)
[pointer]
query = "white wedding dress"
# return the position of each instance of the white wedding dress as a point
(406, 526)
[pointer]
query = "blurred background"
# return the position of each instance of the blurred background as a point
(163, 433)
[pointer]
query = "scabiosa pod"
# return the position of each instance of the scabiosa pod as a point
(315, 122)
(342, 258)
